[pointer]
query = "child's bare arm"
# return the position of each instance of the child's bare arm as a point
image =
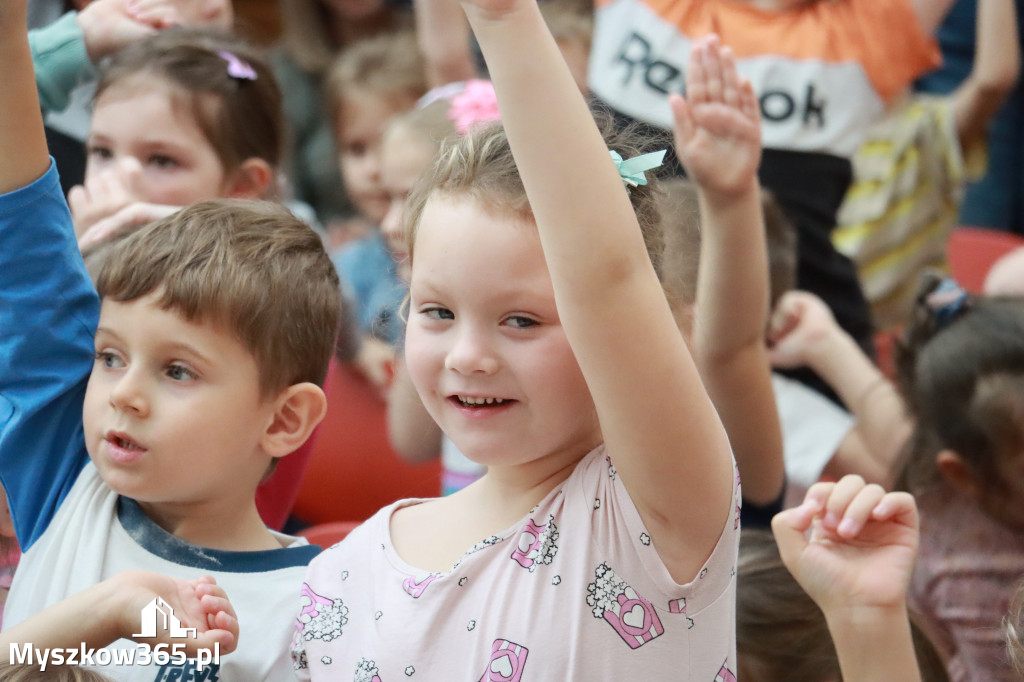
(414, 434)
(995, 72)
(23, 153)
(718, 141)
(656, 418)
(443, 36)
(804, 333)
(109, 611)
(852, 546)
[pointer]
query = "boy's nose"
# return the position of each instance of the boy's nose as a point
(472, 353)
(127, 395)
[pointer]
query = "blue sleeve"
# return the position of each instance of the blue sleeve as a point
(48, 316)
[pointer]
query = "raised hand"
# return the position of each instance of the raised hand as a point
(800, 330)
(104, 194)
(718, 124)
(861, 548)
(130, 217)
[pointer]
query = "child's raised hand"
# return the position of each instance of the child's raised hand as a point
(861, 548)
(800, 328)
(718, 124)
(104, 194)
(199, 603)
(130, 217)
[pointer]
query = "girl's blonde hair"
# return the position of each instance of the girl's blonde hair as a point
(389, 66)
(480, 166)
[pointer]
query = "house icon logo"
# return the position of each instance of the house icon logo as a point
(157, 616)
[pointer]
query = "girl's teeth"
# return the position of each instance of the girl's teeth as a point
(466, 400)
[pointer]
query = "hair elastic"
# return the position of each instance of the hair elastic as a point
(237, 68)
(632, 171)
(946, 301)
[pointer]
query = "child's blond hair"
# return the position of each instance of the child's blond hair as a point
(389, 66)
(479, 165)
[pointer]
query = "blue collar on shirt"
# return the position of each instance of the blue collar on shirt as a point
(158, 541)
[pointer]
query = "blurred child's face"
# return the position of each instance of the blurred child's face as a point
(173, 411)
(484, 345)
(1005, 503)
(146, 137)
(404, 157)
(362, 121)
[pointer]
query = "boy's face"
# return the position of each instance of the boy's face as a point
(359, 128)
(173, 411)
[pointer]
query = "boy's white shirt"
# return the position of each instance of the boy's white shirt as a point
(86, 543)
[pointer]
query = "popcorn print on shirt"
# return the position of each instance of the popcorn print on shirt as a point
(725, 675)
(630, 615)
(537, 544)
(507, 662)
(320, 618)
(366, 671)
(416, 586)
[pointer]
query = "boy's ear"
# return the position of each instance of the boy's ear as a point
(957, 473)
(297, 411)
(251, 180)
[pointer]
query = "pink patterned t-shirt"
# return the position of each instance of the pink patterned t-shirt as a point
(575, 590)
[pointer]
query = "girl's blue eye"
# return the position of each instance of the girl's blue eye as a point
(108, 360)
(439, 314)
(180, 373)
(520, 322)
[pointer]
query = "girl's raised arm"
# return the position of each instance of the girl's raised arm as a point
(657, 421)
(23, 153)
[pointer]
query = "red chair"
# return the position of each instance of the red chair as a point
(327, 534)
(973, 250)
(352, 470)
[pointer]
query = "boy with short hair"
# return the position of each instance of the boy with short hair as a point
(213, 330)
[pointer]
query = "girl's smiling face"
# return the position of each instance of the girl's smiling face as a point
(485, 347)
(149, 138)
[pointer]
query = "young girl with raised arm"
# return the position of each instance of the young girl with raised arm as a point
(601, 542)
(179, 117)
(961, 369)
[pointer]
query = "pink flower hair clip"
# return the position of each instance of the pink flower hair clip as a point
(238, 69)
(475, 104)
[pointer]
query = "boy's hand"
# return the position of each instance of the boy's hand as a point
(200, 603)
(718, 124)
(861, 548)
(104, 194)
(800, 329)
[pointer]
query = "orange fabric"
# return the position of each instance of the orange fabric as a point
(352, 470)
(972, 251)
(884, 36)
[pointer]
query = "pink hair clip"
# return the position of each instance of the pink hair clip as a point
(476, 103)
(237, 68)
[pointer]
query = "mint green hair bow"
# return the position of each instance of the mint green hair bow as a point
(632, 170)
